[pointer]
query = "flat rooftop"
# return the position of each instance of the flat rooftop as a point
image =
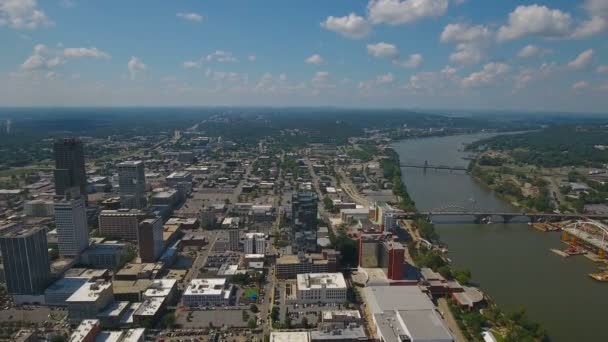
(89, 292)
(321, 280)
(300, 336)
(210, 287)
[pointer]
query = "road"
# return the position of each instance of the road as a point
(201, 259)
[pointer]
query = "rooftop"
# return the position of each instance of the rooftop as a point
(321, 280)
(299, 336)
(89, 292)
(83, 329)
(150, 306)
(160, 288)
(211, 286)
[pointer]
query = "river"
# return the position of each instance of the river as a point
(511, 262)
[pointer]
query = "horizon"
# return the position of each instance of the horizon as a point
(465, 55)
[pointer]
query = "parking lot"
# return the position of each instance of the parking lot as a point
(217, 318)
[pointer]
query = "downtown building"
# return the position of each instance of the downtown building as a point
(26, 263)
(376, 252)
(69, 166)
(255, 243)
(71, 222)
(321, 288)
(120, 224)
(150, 239)
(304, 225)
(132, 184)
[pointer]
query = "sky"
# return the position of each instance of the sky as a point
(413, 54)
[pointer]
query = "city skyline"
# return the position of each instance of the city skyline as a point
(443, 54)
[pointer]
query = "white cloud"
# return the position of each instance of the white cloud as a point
(190, 16)
(396, 12)
(529, 75)
(413, 61)
(579, 86)
(467, 54)
(536, 20)
(192, 64)
(220, 56)
(22, 14)
(471, 42)
(320, 76)
(251, 58)
(591, 27)
(462, 33)
(44, 58)
(602, 69)
(433, 82)
(379, 80)
(383, 50)
(532, 51)
(582, 61)
(135, 65)
(314, 59)
(350, 26)
(490, 73)
(91, 52)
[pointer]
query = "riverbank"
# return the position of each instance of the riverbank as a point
(508, 327)
(512, 262)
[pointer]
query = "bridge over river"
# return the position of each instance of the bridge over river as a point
(482, 216)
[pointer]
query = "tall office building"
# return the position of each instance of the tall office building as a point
(120, 224)
(26, 260)
(255, 243)
(233, 238)
(150, 239)
(304, 222)
(71, 222)
(69, 166)
(132, 184)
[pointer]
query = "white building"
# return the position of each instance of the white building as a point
(404, 313)
(207, 292)
(255, 243)
(321, 287)
(89, 300)
(164, 288)
(72, 227)
(289, 336)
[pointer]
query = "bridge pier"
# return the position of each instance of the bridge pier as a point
(479, 219)
(507, 218)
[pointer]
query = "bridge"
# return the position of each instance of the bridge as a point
(481, 216)
(426, 166)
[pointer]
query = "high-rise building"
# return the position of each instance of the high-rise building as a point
(233, 238)
(26, 260)
(72, 227)
(69, 166)
(132, 184)
(304, 222)
(120, 224)
(255, 243)
(150, 239)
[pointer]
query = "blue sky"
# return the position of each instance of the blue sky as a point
(442, 54)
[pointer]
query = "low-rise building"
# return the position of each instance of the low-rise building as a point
(89, 300)
(86, 331)
(321, 288)
(208, 292)
(106, 254)
(288, 266)
(162, 288)
(289, 336)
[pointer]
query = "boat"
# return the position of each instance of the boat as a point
(600, 276)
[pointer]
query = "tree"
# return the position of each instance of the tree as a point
(58, 338)
(252, 324)
(463, 276)
(254, 308)
(305, 322)
(168, 320)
